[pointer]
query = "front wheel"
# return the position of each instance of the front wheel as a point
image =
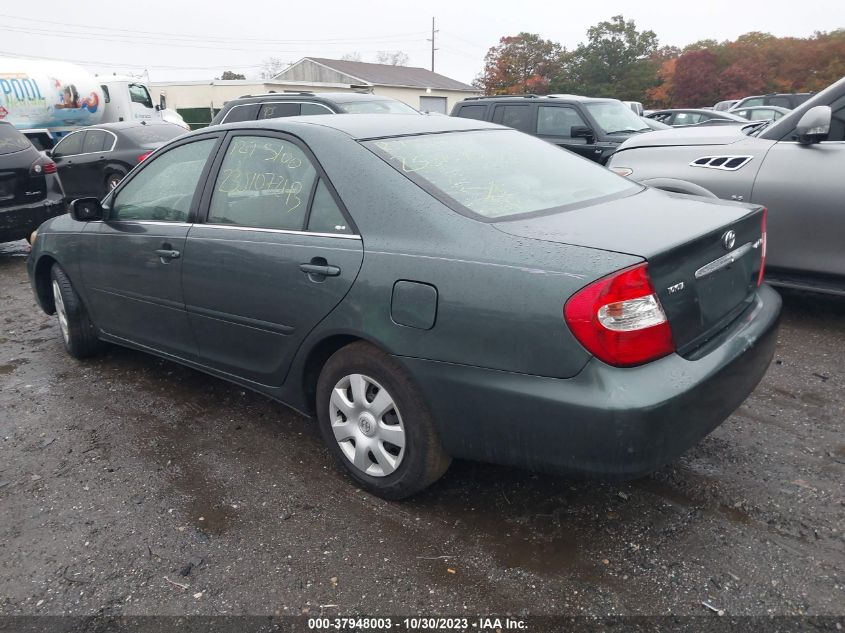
(376, 424)
(78, 332)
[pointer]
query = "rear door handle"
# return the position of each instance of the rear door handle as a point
(317, 269)
(167, 255)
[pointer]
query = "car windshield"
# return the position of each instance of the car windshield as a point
(380, 106)
(11, 140)
(149, 134)
(499, 173)
(613, 117)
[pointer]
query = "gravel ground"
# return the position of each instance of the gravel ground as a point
(130, 485)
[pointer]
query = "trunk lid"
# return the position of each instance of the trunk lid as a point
(703, 279)
(17, 186)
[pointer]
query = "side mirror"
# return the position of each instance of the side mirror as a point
(814, 126)
(582, 131)
(162, 102)
(48, 153)
(86, 209)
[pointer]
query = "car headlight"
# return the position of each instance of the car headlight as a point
(622, 171)
(32, 236)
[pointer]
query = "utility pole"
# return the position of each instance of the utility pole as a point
(433, 31)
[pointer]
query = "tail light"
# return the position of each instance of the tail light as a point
(144, 156)
(762, 247)
(42, 166)
(619, 319)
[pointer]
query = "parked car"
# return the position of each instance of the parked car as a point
(761, 113)
(793, 166)
(283, 104)
(593, 128)
(654, 124)
(790, 101)
(685, 117)
(725, 105)
(30, 190)
(636, 107)
(92, 161)
(430, 287)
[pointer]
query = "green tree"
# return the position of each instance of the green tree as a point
(228, 74)
(616, 61)
(523, 63)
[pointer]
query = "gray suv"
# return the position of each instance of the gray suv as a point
(793, 166)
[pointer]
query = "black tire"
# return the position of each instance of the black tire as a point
(80, 335)
(112, 180)
(423, 460)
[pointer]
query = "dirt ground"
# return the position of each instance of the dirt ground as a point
(131, 485)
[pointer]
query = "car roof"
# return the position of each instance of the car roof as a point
(523, 98)
(336, 97)
(368, 126)
(121, 126)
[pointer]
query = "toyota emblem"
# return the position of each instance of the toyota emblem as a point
(728, 240)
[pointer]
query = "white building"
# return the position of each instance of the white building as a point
(422, 89)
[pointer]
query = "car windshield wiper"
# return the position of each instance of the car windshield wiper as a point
(642, 129)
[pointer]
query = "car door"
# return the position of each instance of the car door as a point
(803, 188)
(90, 162)
(66, 156)
(131, 262)
(555, 123)
(276, 254)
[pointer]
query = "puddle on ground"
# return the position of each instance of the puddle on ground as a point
(12, 365)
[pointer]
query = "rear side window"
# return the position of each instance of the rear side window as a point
(11, 140)
(245, 112)
(151, 134)
(499, 173)
(276, 110)
(476, 112)
(263, 183)
(326, 216)
(95, 141)
(781, 102)
(515, 116)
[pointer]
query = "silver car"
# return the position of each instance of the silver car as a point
(794, 166)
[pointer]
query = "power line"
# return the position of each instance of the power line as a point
(130, 65)
(89, 28)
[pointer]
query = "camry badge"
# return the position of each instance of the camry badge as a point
(728, 240)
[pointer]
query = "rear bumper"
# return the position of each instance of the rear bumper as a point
(605, 421)
(18, 222)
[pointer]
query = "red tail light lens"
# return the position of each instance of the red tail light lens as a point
(619, 319)
(762, 247)
(144, 156)
(42, 166)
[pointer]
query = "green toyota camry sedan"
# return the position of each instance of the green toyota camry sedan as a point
(428, 288)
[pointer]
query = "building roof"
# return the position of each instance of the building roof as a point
(386, 74)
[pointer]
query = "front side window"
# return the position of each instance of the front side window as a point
(557, 120)
(264, 182)
(750, 103)
(165, 187)
(499, 173)
(70, 145)
(315, 108)
(140, 94)
(687, 118)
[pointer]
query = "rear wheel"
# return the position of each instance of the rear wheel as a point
(77, 331)
(374, 420)
(112, 181)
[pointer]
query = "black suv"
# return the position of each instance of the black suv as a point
(30, 190)
(782, 100)
(593, 128)
(280, 104)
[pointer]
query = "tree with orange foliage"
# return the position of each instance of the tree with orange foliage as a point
(523, 63)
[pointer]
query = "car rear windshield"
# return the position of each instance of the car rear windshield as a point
(149, 134)
(11, 140)
(382, 106)
(496, 174)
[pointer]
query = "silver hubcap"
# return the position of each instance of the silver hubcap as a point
(113, 182)
(60, 310)
(367, 425)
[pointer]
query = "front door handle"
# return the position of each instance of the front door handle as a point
(167, 254)
(323, 270)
